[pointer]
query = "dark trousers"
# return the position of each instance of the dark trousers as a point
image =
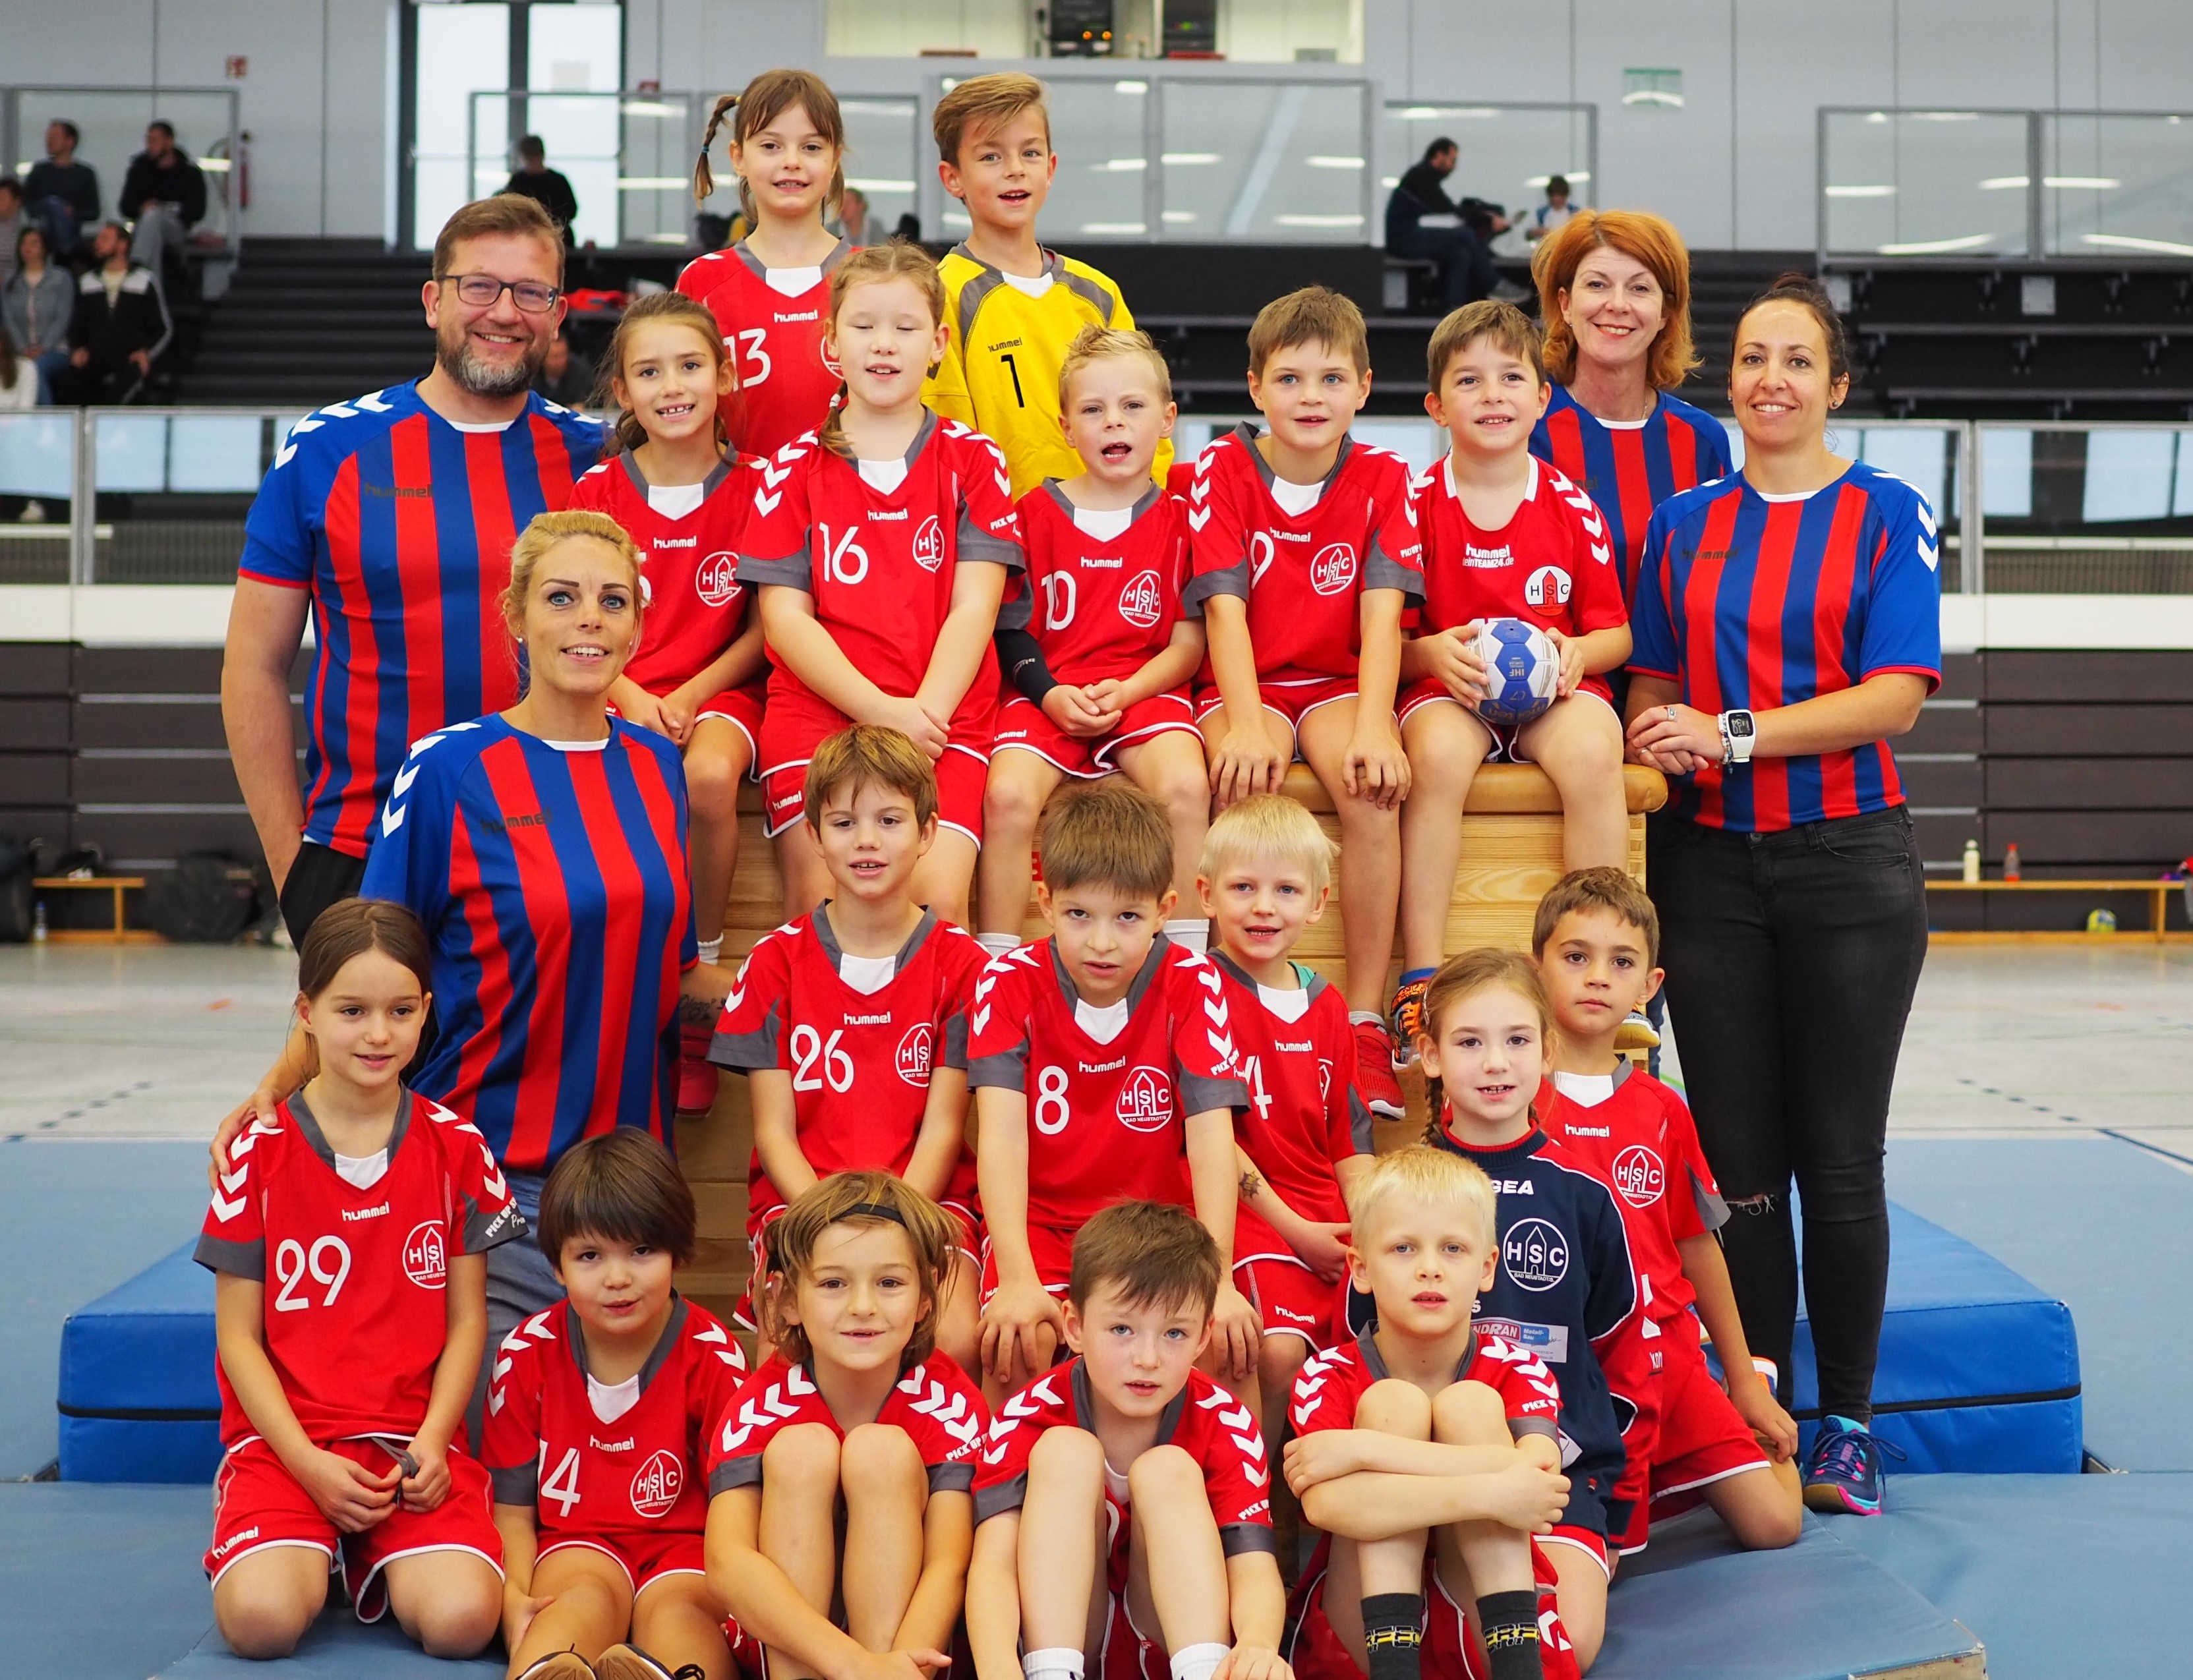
(320, 876)
(1466, 267)
(1792, 959)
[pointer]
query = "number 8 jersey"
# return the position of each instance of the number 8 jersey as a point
(356, 1309)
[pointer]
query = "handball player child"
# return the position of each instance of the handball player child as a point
(1428, 1452)
(1596, 939)
(851, 1022)
(1014, 308)
(675, 482)
(1094, 640)
(348, 1241)
(1505, 536)
(882, 548)
(770, 294)
(1485, 1052)
(839, 1511)
(1104, 1067)
(1305, 554)
(602, 1537)
(1305, 1136)
(1124, 1501)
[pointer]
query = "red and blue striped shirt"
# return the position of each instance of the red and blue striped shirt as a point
(400, 523)
(1630, 467)
(1750, 603)
(553, 882)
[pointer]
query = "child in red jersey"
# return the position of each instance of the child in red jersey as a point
(882, 548)
(1094, 639)
(851, 1022)
(1104, 1067)
(1505, 536)
(1124, 1501)
(1430, 1452)
(838, 1515)
(1596, 938)
(1306, 553)
(598, 1415)
(1305, 1136)
(677, 489)
(770, 294)
(370, 1210)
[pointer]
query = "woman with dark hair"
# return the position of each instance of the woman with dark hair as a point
(36, 306)
(1788, 626)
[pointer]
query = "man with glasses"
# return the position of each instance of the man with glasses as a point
(390, 518)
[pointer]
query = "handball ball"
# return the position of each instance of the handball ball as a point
(1526, 669)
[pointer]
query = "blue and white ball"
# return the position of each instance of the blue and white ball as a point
(1525, 667)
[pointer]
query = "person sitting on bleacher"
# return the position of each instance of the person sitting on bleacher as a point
(119, 328)
(1304, 555)
(62, 193)
(164, 194)
(1459, 240)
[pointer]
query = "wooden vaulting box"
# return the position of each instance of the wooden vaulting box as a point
(1511, 855)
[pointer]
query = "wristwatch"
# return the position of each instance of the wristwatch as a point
(1739, 735)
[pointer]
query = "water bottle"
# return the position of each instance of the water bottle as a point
(2012, 869)
(1972, 861)
(39, 924)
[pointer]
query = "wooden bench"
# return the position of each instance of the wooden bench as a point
(2157, 890)
(1511, 855)
(120, 933)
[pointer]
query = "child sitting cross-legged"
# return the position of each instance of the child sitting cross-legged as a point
(1124, 1501)
(1430, 1452)
(599, 1414)
(838, 1515)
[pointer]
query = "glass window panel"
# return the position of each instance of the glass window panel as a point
(1508, 154)
(1920, 457)
(2118, 183)
(1926, 183)
(133, 451)
(112, 125)
(573, 50)
(2181, 495)
(882, 157)
(655, 169)
(1735, 444)
(2006, 473)
(461, 50)
(1272, 161)
(1097, 131)
(1290, 32)
(2127, 476)
(38, 455)
(213, 453)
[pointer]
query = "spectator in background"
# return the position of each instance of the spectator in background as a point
(854, 219)
(549, 188)
(61, 193)
(11, 225)
(36, 306)
(119, 326)
(1551, 215)
(1460, 249)
(164, 194)
(566, 376)
(19, 379)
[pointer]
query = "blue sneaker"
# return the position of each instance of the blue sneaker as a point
(1842, 1472)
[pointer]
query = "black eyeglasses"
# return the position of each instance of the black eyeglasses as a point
(484, 291)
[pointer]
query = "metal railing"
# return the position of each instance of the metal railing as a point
(112, 121)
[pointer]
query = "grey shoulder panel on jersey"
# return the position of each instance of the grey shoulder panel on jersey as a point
(238, 1259)
(1228, 581)
(1004, 1070)
(999, 1497)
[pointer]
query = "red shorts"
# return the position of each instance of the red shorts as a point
(1703, 1439)
(1292, 1300)
(1289, 702)
(739, 707)
(1432, 692)
(1127, 1654)
(645, 1558)
(258, 1503)
(1316, 1652)
(797, 723)
(1027, 727)
(765, 1207)
(1052, 1251)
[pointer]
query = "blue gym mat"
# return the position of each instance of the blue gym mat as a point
(338, 1649)
(138, 1398)
(2106, 1227)
(76, 1219)
(100, 1583)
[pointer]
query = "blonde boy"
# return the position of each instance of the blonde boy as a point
(1305, 554)
(1012, 307)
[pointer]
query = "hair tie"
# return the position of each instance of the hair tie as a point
(875, 1210)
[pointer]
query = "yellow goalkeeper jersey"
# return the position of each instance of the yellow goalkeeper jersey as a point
(999, 373)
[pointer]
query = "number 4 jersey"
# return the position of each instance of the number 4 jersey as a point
(355, 1257)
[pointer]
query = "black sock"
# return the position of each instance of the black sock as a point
(1509, 1621)
(1394, 1633)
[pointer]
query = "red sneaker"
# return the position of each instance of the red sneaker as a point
(697, 1074)
(1374, 1072)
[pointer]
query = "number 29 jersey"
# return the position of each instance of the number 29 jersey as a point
(356, 1312)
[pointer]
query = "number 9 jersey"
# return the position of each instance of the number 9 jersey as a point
(355, 1311)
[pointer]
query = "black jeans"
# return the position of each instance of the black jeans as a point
(319, 876)
(1792, 958)
(1466, 267)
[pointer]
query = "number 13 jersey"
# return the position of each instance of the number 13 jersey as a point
(776, 337)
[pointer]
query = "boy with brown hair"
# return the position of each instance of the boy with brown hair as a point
(1012, 307)
(1304, 555)
(1130, 1448)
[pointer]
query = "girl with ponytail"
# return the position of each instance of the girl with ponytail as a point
(769, 292)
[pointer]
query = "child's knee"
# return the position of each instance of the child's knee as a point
(262, 1614)
(1066, 1460)
(1278, 1360)
(711, 786)
(1393, 1407)
(803, 1458)
(1165, 1476)
(1011, 801)
(879, 1457)
(1470, 1414)
(456, 1624)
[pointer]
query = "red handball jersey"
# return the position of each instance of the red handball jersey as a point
(583, 1474)
(1642, 1145)
(1105, 1120)
(774, 339)
(1100, 609)
(1330, 1384)
(1203, 1420)
(941, 1411)
(355, 1308)
(1551, 564)
(1304, 1114)
(689, 575)
(1301, 576)
(860, 1061)
(879, 564)
(1630, 467)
